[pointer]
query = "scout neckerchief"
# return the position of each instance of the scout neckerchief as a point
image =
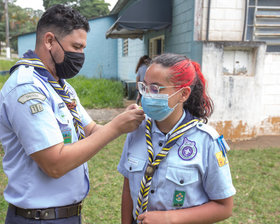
(31, 59)
(184, 126)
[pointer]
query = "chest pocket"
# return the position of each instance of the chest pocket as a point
(135, 164)
(63, 117)
(182, 176)
(135, 168)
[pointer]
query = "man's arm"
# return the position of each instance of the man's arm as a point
(59, 159)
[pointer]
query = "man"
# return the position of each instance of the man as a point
(46, 134)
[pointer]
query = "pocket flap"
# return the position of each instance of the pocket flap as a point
(135, 164)
(182, 175)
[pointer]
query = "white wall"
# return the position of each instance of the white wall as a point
(127, 64)
(226, 20)
(246, 105)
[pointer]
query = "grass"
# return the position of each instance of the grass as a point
(255, 175)
(98, 93)
(5, 65)
(93, 93)
(255, 172)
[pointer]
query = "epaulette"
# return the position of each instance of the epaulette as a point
(208, 129)
(215, 135)
(25, 74)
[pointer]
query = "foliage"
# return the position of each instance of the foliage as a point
(20, 21)
(255, 175)
(88, 8)
(5, 65)
(98, 93)
(93, 93)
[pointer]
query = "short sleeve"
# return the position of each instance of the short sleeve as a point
(85, 118)
(34, 121)
(218, 181)
(121, 166)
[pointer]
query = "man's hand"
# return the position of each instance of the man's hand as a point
(130, 119)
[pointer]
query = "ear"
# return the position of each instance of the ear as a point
(185, 93)
(48, 40)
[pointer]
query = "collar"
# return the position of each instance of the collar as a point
(31, 59)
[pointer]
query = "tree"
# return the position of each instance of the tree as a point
(88, 8)
(20, 21)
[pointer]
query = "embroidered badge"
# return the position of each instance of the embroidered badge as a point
(31, 96)
(179, 198)
(187, 151)
(36, 108)
(67, 136)
(222, 160)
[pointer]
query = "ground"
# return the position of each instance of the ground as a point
(105, 115)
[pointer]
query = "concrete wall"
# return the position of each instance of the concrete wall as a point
(127, 64)
(271, 95)
(26, 42)
(246, 104)
(179, 40)
(226, 20)
(101, 53)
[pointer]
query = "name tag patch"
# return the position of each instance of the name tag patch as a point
(31, 96)
(36, 108)
(61, 105)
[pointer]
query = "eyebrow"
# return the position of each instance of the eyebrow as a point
(154, 83)
(80, 45)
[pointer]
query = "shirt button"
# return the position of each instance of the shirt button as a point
(160, 144)
(152, 191)
(181, 181)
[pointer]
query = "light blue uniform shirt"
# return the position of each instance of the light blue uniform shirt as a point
(32, 118)
(197, 174)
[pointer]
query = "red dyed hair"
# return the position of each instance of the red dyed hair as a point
(188, 73)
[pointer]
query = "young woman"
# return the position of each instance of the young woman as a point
(175, 166)
(140, 70)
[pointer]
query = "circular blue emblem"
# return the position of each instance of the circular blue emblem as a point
(187, 151)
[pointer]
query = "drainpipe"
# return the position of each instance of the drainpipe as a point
(208, 20)
(245, 20)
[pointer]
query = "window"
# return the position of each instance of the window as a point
(239, 62)
(125, 47)
(156, 46)
(263, 23)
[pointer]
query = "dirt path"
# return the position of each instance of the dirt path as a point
(104, 115)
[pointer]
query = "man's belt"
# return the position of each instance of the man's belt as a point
(50, 213)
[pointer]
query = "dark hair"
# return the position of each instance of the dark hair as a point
(187, 73)
(143, 60)
(61, 20)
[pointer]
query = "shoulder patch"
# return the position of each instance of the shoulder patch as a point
(207, 128)
(31, 96)
(25, 74)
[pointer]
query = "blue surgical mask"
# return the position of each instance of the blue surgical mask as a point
(156, 105)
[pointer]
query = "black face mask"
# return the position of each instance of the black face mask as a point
(71, 64)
